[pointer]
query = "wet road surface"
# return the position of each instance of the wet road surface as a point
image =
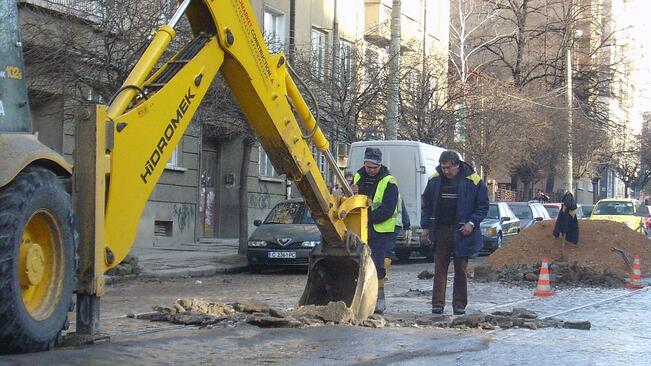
(620, 328)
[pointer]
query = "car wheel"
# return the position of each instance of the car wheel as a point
(498, 243)
(403, 254)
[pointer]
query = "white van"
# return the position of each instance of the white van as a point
(411, 163)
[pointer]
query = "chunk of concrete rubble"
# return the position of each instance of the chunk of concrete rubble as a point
(273, 322)
(277, 313)
(425, 275)
(155, 316)
(251, 306)
(201, 306)
(551, 323)
(311, 322)
(524, 313)
(374, 321)
(334, 312)
(485, 273)
(469, 320)
(530, 277)
(585, 325)
(416, 293)
(189, 318)
(500, 321)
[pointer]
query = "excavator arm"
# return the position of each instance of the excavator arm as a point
(147, 118)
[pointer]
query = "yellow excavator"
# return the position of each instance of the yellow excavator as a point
(63, 227)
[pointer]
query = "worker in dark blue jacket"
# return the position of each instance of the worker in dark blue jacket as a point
(374, 181)
(454, 203)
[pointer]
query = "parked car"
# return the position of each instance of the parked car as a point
(554, 208)
(285, 238)
(529, 212)
(586, 209)
(500, 225)
(625, 210)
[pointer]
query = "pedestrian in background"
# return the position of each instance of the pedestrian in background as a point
(375, 181)
(541, 196)
(454, 203)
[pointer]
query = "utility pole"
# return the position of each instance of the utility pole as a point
(569, 168)
(336, 54)
(391, 117)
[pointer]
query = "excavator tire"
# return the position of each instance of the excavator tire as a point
(37, 261)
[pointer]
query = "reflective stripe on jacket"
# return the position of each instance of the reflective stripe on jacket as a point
(389, 225)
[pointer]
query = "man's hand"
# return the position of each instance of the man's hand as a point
(466, 229)
(355, 188)
(424, 238)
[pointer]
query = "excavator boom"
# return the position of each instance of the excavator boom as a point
(153, 108)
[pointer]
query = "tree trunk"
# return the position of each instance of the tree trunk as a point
(391, 117)
(247, 146)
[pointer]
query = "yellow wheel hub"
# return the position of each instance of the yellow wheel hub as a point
(35, 265)
(41, 265)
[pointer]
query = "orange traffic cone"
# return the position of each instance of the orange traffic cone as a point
(543, 288)
(636, 276)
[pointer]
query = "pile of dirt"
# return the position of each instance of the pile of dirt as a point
(594, 252)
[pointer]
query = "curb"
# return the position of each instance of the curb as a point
(202, 271)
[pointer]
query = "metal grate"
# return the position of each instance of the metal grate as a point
(163, 228)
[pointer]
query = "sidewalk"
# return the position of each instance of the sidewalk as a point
(187, 260)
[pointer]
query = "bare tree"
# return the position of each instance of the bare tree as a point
(351, 98)
(427, 103)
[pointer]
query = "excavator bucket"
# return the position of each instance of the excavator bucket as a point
(347, 275)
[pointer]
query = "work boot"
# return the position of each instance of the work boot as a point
(380, 305)
(458, 311)
(437, 309)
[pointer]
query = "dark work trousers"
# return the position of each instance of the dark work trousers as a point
(444, 252)
(380, 244)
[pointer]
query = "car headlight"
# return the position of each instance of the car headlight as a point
(257, 243)
(490, 231)
(310, 244)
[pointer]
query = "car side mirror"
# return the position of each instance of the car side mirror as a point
(257, 222)
(504, 219)
(538, 218)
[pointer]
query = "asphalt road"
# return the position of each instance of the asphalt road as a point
(619, 335)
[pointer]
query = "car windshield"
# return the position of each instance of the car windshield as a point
(289, 213)
(614, 208)
(587, 210)
(553, 211)
(493, 212)
(521, 211)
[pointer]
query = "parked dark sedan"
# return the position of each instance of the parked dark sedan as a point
(499, 225)
(285, 238)
(529, 212)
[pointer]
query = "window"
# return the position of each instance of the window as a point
(265, 169)
(345, 62)
(322, 162)
(579, 184)
(174, 161)
(318, 53)
(274, 30)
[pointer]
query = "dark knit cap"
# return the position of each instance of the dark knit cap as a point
(373, 155)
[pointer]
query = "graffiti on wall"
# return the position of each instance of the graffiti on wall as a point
(261, 199)
(183, 215)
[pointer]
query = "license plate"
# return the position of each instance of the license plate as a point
(282, 254)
